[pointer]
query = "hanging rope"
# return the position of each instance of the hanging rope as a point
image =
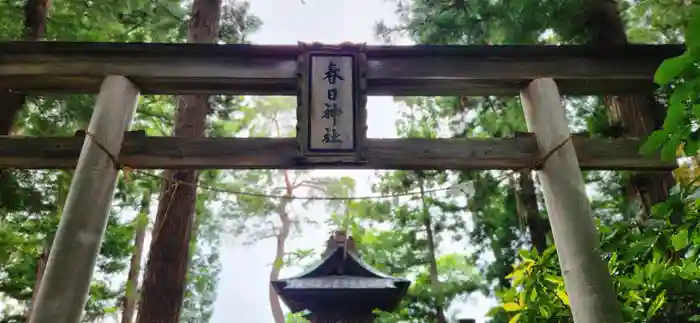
(537, 164)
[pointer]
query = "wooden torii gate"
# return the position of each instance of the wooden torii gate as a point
(119, 72)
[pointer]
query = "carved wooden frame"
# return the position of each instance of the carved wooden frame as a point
(359, 71)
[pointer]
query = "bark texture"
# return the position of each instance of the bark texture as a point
(538, 226)
(164, 282)
(637, 115)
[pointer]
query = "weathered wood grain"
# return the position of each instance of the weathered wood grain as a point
(64, 289)
(589, 286)
(267, 70)
(258, 153)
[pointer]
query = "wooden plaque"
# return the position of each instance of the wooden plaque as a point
(331, 103)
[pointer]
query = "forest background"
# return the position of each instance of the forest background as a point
(494, 240)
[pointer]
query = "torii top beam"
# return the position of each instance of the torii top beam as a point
(272, 70)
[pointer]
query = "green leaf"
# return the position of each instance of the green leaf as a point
(689, 269)
(691, 147)
(548, 252)
(655, 140)
(672, 68)
(692, 33)
(696, 110)
(662, 209)
(676, 110)
(657, 304)
(533, 295)
(680, 240)
(511, 307)
(521, 299)
(563, 296)
(515, 274)
(554, 279)
(668, 151)
(515, 318)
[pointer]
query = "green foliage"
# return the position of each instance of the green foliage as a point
(295, 318)
(537, 293)
(680, 76)
(654, 268)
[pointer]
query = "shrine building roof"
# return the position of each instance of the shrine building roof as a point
(341, 279)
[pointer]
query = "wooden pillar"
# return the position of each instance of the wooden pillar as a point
(588, 283)
(65, 284)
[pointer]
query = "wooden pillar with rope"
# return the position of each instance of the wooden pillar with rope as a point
(65, 285)
(588, 283)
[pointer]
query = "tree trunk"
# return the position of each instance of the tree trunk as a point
(35, 12)
(638, 114)
(40, 268)
(434, 278)
(132, 281)
(166, 271)
(537, 226)
(282, 235)
(275, 306)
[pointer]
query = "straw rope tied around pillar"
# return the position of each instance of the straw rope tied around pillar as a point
(539, 162)
(127, 170)
(536, 165)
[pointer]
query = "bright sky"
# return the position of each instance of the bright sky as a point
(243, 286)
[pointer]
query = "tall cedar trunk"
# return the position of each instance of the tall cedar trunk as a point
(35, 12)
(281, 237)
(434, 278)
(537, 225)
(132, 281)
(639, 114)
(165, 278)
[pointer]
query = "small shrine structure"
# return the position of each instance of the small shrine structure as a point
(341, 287)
